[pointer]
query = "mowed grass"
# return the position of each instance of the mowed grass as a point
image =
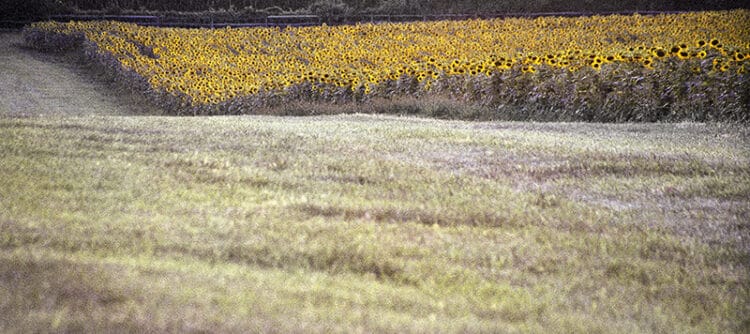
(367, 223)
(362, 223)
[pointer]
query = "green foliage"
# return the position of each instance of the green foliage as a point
(421, 6)
(29, 9)
(329, 8)
(617, 93)
(39, 9)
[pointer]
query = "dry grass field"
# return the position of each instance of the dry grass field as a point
(113, 219)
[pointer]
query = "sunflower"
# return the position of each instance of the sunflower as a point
(213, 64)
(648, 63)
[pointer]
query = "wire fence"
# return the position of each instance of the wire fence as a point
(211, 21)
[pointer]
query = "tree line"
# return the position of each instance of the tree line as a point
(29, 10)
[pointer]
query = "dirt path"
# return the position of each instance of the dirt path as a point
(37, 84)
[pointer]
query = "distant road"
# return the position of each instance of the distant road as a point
(38, 84)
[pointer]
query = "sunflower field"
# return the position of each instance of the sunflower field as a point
(689, 66)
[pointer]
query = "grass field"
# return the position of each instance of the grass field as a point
(115, 221)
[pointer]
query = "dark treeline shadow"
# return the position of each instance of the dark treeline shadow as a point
(32, 10)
